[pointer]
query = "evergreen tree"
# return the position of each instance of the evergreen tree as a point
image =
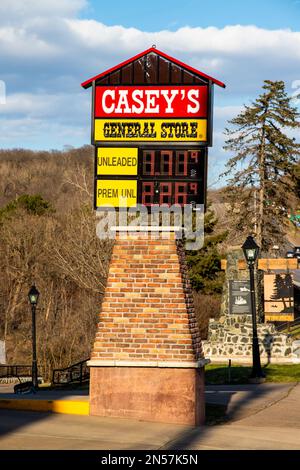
(296, 177)
(205, 264)
(32, 204)
(263, 165)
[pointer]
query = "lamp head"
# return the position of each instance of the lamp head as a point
(251, 250)
(33, 295)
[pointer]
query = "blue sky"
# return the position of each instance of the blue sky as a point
(156, 15)
(48, 47)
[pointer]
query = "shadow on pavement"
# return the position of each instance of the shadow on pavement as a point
(239, 401)
(18, 418)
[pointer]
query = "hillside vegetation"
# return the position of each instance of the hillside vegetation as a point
(48, 237)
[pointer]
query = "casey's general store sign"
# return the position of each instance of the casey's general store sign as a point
(168, 101)
(168, 113)
(151, 126)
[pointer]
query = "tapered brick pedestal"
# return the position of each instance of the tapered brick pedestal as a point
(147, 361)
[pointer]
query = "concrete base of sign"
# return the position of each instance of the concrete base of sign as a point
(168, 395)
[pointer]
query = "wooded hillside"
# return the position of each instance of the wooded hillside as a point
(48, 236)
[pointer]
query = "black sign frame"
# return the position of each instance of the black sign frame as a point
(140, 178)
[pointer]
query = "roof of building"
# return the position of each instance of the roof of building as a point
(150, 52)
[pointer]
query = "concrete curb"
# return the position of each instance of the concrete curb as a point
(54, 406)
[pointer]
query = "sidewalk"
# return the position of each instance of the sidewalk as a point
(265, 416)
(240, 400)
(245, 400)
(261, 417)
(33, 430)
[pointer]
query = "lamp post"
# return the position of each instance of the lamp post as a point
(33, 296)
(251, 251)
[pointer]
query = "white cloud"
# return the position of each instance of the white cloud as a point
(45, 120)
(41, 134)
(47, 51)
(14, 11)
(57, 106)
(218, 43)
(39, 49)
(20, 44)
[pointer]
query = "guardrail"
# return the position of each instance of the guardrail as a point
(10, 371)
(76, 373)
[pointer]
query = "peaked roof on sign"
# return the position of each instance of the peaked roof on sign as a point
(89, 82)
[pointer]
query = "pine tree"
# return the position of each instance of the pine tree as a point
(296, 178)
(205, 264)
(262, 165)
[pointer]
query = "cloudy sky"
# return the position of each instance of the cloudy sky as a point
(48, 47)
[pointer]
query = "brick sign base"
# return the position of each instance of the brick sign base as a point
(147, 361)
(170, 395)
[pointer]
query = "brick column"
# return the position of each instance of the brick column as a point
(147, 361)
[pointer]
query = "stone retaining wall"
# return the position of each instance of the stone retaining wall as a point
(231, 337)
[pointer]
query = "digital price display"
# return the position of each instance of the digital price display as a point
(163, 177)
(172, 176)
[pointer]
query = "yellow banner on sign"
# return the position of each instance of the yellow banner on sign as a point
(279, 317)
(117, 161)
(116, 193)
(162, 130)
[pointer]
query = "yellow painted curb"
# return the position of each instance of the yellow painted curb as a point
(55, 406)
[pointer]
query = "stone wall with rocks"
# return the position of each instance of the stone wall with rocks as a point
(231, 338)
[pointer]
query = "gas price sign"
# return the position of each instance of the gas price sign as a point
(151, 127)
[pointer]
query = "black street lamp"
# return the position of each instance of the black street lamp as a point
(33, 296)
(251, 251)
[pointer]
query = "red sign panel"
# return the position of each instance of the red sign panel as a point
(151, 101)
